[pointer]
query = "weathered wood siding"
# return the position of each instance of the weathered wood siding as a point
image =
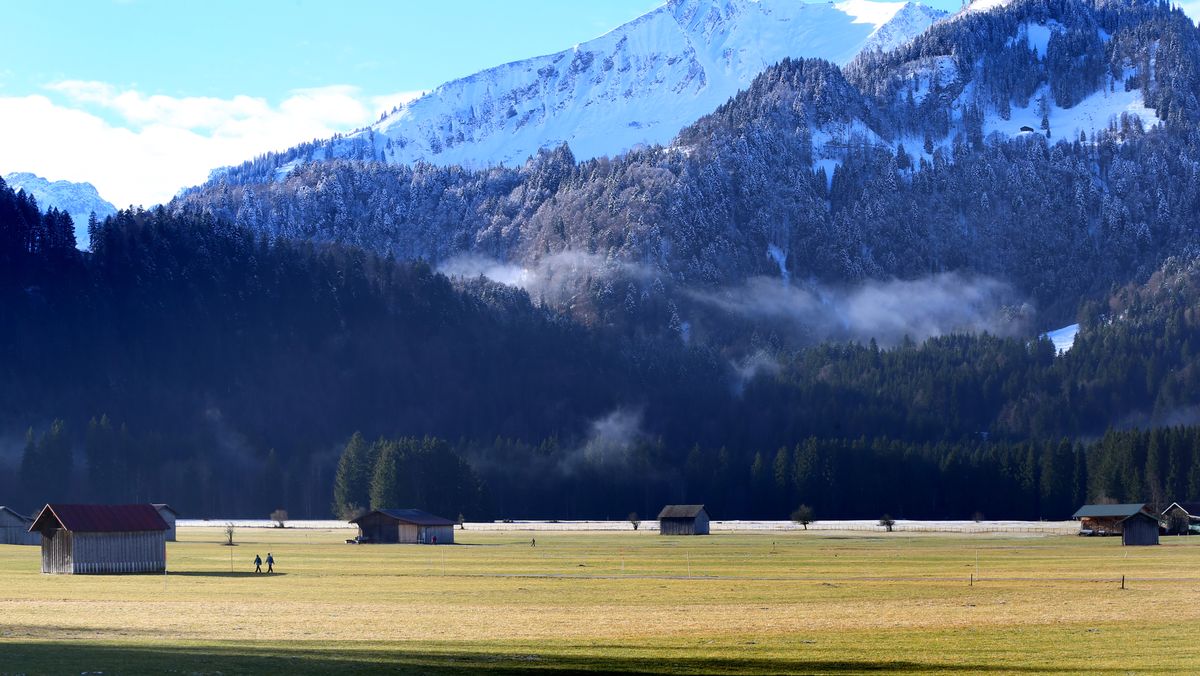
(99, 553)
(444, 535)
(169, 517)
(1140, 531)
(379, 528)
(697, 525)
(15, 530)
(56, 551)
(19, 536)
(409, 533)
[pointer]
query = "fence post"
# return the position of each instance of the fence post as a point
(1122, 582)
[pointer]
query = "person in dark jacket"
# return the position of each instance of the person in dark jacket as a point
(258, 563)
(270, 563)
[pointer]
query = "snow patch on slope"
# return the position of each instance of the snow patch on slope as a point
(1063, 338)
(1037, 36)
(1089, 115)
(986, 5)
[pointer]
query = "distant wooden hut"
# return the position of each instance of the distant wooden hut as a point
(169, 515)
(14, 528)
(1105, 519)
(1182, 518)
(683, 520)
(1139, 528)
(404, 526)
(89, 539)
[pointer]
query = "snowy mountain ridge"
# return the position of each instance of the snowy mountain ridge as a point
(639, 84)
(80, 200)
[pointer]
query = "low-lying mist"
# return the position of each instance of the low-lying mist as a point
(886, 311)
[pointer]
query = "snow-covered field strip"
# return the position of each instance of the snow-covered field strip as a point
(862, 525)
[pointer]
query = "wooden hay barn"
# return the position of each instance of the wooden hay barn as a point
(1139, 528)
(168, 515)
(1182, 518)
(91, 539)
(1105, 519)
(404, 526)
(14, 528)
(683, 520)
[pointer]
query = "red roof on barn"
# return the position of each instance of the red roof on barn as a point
(99, 518)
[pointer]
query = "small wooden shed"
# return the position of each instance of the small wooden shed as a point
(683, 520)
(168, 515)
(91, 539)
(1105, 519)
(1182, 518)
(1138, 529)
(14, 528)
(404, 526)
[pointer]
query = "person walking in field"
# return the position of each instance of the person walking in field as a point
(532, 542)
(270, 563)
(258, 563)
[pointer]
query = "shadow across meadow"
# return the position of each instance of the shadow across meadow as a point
(59, 657)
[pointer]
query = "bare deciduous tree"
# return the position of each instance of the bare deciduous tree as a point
(803, 516)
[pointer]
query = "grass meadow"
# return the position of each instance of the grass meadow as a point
(730, 603)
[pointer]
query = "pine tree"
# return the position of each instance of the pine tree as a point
(351, 483)
(386, 481)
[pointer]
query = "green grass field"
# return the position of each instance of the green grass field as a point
(615, 602)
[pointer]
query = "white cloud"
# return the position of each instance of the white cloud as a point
(141, 149)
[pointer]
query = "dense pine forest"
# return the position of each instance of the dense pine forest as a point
(187, 359)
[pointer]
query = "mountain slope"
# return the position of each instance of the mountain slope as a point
(638, 84)
(819, 176)
(80, 200)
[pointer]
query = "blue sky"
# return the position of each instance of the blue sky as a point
(268, 48)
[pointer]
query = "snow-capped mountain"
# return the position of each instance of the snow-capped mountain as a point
(638, 84)
(80, 200)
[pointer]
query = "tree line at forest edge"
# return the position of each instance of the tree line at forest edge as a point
(193, 361)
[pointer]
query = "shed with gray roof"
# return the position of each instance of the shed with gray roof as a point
(404, 526)
(14, 528)
(683, 520)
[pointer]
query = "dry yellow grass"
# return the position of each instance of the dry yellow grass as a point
(737, 603)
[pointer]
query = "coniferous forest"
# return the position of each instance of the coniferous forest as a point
(831, 290)
(187, 359)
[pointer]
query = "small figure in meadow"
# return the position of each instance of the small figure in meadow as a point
(532, 542)
(258, 563)
(270, 563)
(435, 539)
